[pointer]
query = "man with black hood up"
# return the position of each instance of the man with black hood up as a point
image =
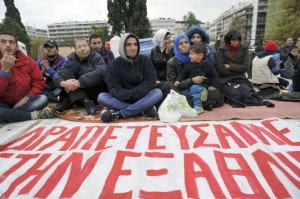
(131, 80)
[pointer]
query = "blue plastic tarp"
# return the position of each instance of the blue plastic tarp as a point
(146, 45)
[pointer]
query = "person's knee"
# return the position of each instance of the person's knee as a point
(66, 74)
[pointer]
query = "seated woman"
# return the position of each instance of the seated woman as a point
(178, 62)
(160, 54)
(232, 66)
(197, 34)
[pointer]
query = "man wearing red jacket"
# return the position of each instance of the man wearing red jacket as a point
(21, 84)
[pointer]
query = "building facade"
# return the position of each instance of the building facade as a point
(163, 23)
(252, 13)
(72, 29)
(35, 33)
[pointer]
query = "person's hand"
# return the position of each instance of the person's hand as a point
(45, 65)
(21, 102)
(7, 62)
(70, 85)
(198, 79)
(211, 88)
(170, 46)
(227, 66)
(77, 84)
(176, 83)
(158, 82)
(278, 63)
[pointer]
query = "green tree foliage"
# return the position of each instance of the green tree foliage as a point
(289, 22)
(10, 25)
(128, 16)
(101, 31)
(239, 23)
(13, 12)
(190, 20)
(36, 47)
(282, 20)
(67, 42)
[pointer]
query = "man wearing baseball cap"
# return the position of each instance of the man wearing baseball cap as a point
(266, 66)
(48, 65)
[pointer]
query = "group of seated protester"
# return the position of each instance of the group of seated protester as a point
(133, 84)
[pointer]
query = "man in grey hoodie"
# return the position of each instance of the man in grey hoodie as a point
(131, 80)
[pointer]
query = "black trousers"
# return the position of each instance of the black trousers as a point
(91, 92)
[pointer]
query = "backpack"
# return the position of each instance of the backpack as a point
(240, 93)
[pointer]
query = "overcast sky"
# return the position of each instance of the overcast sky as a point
(39, 13)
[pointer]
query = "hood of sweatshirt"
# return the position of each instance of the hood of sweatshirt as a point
(122, 43)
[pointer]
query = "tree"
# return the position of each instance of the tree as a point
(289, 22)
(36, 47)
(238, 23)
(190, 20)
(142, 27)
(284, 22)
(129, 16)
(10, 25)
(13, 14)
(101, 31)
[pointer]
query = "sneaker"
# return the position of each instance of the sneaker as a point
(203, 95)
(44, 113)
(63, 105)
(90, 107)
(199, 109)
(108, 116)
(152, 112)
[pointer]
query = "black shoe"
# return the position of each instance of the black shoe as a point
(53, 99)
(63, 105)
(208, 107)
(90, 107)
(108, 116)
(152, 112)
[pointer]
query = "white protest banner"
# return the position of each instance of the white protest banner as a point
(233, 159)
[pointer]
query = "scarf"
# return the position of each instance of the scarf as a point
(182, 57)
(159, 39)
(233, 50)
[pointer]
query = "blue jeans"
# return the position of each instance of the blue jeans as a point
(22, 113)
(51, 92)
(129, 110)
(195, 92)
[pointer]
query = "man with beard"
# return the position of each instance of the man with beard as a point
(97, 45)
(21, 83)
(49, 65)
(81, 78)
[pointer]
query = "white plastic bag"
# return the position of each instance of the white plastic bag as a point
(174, 107)
(166, 112)
(181, 105)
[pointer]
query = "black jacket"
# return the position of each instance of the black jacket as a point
(90, 72)
(204, 68)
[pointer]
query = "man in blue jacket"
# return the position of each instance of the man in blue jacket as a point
(81, 78)
(49, 65)
(96, 45)
(131, 79)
